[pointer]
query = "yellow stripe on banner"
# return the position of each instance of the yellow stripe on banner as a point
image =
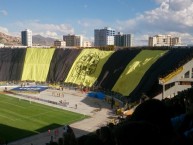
(171, 75)
(135, 70)
(37, 63)
(87, 67)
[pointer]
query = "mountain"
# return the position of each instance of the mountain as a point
(37, 40)
(40, 40)
(9, 40)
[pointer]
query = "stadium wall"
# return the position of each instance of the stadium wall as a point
(128, 72)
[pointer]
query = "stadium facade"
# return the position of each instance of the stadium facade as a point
(129, 73)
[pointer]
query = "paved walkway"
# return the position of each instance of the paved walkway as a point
(97, 109)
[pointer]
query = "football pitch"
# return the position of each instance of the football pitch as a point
(21, 118)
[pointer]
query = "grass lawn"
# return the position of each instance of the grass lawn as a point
(20, 118)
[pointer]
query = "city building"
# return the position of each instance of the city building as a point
(87, 44)
(26, 37)
(176, 41)
(73, 40)
(124, 40)
(104, 37)
(59, 43)
(164, 40)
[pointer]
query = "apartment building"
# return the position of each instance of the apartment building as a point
(124, 40)
(59, 43)
(73, 40)
(104, 37)
(164, 40)
(26, 37)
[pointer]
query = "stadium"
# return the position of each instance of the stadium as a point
(98, 76)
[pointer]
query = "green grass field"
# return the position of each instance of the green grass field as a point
(20, 118)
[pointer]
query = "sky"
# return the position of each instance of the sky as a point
(55, 18)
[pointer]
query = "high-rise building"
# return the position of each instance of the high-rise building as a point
(104, 37)
(164, 40)
(124, 40)
(26, 37)
(73, 40)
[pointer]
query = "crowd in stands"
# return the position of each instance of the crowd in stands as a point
(153, 122)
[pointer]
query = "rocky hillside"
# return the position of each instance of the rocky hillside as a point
(9, 40)
(40, 40)
(37, 40)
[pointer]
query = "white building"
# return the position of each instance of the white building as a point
(87, 44)
(176, 41)
(104, 37)
(73, 40)
(26, 37)
(59, 43)
(164, 40)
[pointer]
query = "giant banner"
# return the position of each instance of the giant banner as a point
(114, 66)
(135, 70)
(37, 63)
(61, 63)
(5, 59)
(88, 66)
(17, 61)
(11, 63)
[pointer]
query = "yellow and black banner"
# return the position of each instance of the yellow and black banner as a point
(37, 63)
(135, 70)
(88, 66)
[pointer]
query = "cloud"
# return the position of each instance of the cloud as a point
(170, 16)
(94, 23)
(4, 30)
(86, 27)
(160, 1)
(186, 37)
(178, 5)
(46, 30)
(51, 34)
(3, 12)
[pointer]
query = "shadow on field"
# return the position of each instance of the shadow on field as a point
(46, 128)
(53, 127)
(10, 133)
